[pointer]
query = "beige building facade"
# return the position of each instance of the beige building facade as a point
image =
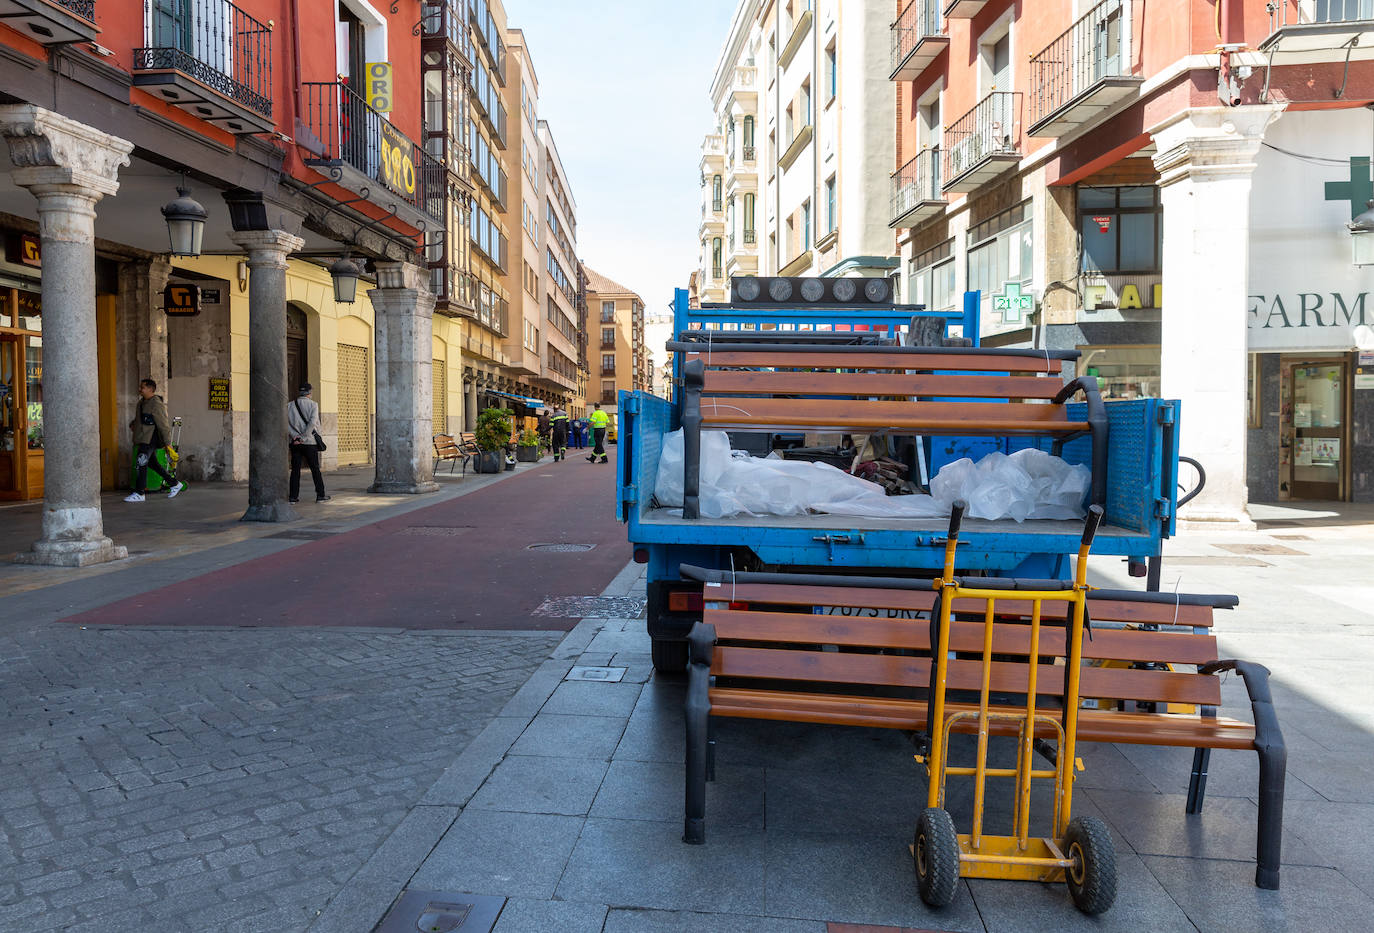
(617, 347)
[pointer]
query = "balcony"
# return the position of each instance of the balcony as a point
(983, 143)
(443, 19)
(608, 344)
(743, 89)
(341, 131)
(748, 153)
(51, 23)
(795, 147)
(1079, 75)
(212, 60)
(917, 39)
(750, 237)
(916, 195)
(1319, 30)
(964, 9)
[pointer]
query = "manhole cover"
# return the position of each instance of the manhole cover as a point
(607, 675)
(303, 534)
(435, 531)
(1261, 549)
(442, 912)
(591, 607)
(560, 548)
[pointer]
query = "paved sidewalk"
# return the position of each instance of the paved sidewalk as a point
(569, 804)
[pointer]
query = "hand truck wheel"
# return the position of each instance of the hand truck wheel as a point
(937, 857)
(1092, 876)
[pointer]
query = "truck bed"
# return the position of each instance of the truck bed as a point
(971, 526)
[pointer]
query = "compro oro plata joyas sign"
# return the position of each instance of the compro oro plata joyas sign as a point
(398, 161)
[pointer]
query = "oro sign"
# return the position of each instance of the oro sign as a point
(398, 161)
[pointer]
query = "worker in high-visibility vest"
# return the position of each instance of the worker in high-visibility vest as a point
(599, 420)
(559, 424)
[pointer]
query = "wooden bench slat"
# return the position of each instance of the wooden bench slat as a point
(852, 411)
(877, 359)
(783, 382)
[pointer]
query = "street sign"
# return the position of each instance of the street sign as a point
(181, 300)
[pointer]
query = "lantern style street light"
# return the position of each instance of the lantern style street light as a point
(345, 273)
(185, 223)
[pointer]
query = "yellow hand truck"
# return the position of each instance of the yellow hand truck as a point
(1080, 850)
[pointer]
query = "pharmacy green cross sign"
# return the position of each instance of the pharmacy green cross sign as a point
(1012, 303)
(1359, 190)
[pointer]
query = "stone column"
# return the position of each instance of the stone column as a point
(68, 167)
(140, 347)
(268, 394)
(1205, 158)
(403, 307)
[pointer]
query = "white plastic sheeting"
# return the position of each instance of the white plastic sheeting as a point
(1026, 484)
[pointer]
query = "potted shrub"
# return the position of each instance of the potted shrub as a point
(527, 450)
(492, 434)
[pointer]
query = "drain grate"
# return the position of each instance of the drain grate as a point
(435, 531)
(591, 607)
(1278, 549)
(303, 534)
(560, 548)
(442, 912)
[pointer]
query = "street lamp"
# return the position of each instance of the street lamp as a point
(344, 272)
(185, 223)
(1362, 237)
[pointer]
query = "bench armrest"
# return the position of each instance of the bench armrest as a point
(701, 641)
(693, 381)
(1097, 430)
(1256, 677)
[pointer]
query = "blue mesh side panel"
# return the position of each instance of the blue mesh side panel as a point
(655, 419)
(1131, 482)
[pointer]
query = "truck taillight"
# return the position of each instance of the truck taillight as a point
(685, 601)
(735, 605)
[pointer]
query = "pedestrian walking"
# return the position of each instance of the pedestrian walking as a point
(151, 432)
(582, 430)
(559, 425)
(599, 420)
(303, 428)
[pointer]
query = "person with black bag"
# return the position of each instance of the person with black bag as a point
(303, 426)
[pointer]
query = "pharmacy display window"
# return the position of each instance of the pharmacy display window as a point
(1122, 372)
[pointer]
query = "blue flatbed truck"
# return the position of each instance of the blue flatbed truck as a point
(1141, 491)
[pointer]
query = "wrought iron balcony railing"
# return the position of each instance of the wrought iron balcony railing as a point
(918, 37)
(348, 131)
(982, 143)
(750, 237)
(82, 8)
(215, 43)
(1082, 72)
(916, 189)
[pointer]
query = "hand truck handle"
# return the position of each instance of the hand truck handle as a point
(956, 515)
(1090, 527)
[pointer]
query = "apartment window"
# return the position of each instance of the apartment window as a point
(748, 218)
(607, 311)
(832, 73)
(791, 242)
(531, 337)
(1120, 230)
(749, 132)
(930, 278)
(716, 265)
(715, 193)
(830, 217)
(806, 102)
(531, 280)
(1001, 251)
(806, 225)
(608, 336)
(608, 362)
(997, 63)
(787, 129)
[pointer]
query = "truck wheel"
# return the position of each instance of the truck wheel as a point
(937, 857)
(670, 655)
(1092, 876)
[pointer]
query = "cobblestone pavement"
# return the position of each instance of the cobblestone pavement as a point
(182, 779)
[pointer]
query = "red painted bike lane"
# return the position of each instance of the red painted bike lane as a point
(465, 563)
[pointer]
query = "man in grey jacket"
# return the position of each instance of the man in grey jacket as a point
(151, 433)
(302, 426)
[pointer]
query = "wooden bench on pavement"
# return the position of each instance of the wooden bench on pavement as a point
(455, 450)
(761, 651)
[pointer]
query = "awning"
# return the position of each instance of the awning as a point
(522, 399)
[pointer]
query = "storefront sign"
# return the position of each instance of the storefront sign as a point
(398, 161)
(181, 300)
(1103, 221)
(1012, 303)
(219, 394)
(30, 252)
(379, 86)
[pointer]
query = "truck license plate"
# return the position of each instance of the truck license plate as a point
(866, 612)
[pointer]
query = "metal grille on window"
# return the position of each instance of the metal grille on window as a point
(355, 434)
(440, 397)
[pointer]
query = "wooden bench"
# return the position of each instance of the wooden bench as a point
(761, 651)
(923, 391)
(455, 450)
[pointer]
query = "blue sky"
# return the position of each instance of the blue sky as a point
(625, 87)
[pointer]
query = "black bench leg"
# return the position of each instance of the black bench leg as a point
(710, 749)
(1273, 766)
(698, 721)
(1197, 784)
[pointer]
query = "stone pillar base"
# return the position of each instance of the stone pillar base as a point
(404, 489)
(278, 511)
(72, 553)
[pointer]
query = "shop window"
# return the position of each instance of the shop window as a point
(1122, 372)
(1001, 251)
(1121, 230)
(930, 281)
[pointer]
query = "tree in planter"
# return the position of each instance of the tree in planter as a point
(527, 449)
(492, 434)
